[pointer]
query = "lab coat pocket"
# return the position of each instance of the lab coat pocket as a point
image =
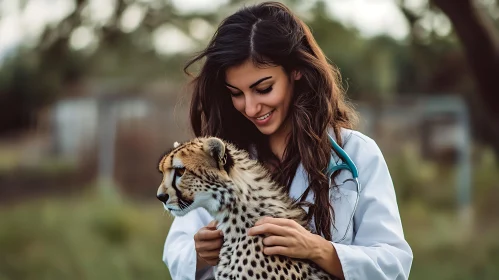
(343, 199)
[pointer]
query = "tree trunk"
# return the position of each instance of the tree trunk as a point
(480, 41)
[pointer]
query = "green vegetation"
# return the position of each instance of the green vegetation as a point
(91, 237)
(83, 237)
(52, 227)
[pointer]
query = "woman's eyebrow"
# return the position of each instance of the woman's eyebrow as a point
(259, 81)
(252, 85)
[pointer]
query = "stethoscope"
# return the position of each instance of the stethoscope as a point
(349, 165)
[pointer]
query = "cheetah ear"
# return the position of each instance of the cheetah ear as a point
(216, 149)
(176, 144)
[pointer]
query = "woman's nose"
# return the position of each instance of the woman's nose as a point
(252, 107)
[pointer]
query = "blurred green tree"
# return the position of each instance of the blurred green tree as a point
(479, 36)
(373, 69)
(38, 74)
(468, 61)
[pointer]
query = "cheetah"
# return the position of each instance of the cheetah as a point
(237, 191)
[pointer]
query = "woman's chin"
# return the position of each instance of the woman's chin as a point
(266, 130)
(270, 129)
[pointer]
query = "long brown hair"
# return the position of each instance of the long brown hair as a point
(270, 34)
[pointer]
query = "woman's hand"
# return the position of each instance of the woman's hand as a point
(286, 237)
(208, 242)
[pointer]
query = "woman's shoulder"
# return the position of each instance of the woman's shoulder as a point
(365, 154)
(360, 147)
(352, 137)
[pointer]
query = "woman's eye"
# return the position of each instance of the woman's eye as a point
(263, 91)
(236, 94)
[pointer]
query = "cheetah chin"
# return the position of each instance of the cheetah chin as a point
(237, 191)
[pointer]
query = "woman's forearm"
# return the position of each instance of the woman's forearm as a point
(200, 263)
(326, 257)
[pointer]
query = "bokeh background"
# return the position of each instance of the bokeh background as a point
(92, 91)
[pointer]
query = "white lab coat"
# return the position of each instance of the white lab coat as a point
(374, 247)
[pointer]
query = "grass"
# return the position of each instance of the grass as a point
(445, 247)
(89, 237)
(95, 237)
(83, 237)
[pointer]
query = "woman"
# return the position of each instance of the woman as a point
(267, 87)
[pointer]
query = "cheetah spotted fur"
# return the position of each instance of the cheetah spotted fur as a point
(237, 191)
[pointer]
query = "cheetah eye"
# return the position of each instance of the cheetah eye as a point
(179, 171)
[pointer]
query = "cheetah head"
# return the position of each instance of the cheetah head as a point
(194, 175)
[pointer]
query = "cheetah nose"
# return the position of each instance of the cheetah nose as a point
(163, 197)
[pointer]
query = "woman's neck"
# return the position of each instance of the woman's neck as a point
(278, 140)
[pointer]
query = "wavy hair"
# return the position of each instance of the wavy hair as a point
(269, 34)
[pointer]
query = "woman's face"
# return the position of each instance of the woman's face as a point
(262, 95)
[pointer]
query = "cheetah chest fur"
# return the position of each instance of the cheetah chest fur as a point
(242, 257)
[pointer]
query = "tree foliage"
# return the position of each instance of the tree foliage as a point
(462, 60)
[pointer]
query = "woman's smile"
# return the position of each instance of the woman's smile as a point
(264, 120)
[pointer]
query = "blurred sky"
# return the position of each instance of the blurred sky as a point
(370, 17)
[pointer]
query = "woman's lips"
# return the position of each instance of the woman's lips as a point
(265, 119)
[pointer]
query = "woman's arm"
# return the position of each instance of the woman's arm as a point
(379, 249)
(179, 253)
(327, 258)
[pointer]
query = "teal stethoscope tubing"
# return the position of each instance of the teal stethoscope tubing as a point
(349, 165)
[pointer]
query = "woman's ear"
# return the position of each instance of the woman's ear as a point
(296, 74)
